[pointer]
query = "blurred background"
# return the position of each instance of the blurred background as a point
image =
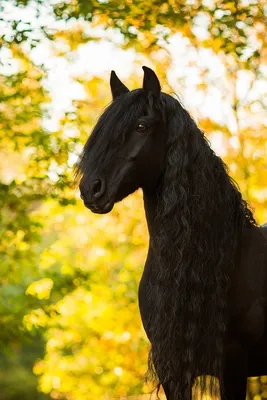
(70, 324)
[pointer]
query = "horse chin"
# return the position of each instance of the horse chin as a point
(100, 210)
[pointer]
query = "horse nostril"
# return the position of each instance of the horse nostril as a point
(98, 188)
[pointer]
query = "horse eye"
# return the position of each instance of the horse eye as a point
(141, 127)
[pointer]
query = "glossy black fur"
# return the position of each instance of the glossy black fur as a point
(203, 291)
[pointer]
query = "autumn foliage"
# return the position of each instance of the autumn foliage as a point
(70, 325)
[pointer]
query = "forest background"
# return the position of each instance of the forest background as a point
(70, 325)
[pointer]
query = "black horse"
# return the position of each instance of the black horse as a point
(203, 292)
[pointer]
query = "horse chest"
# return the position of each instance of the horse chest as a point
(146, 304)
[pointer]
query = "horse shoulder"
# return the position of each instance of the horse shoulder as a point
(247, 305)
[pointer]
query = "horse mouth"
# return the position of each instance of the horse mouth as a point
(100, 210)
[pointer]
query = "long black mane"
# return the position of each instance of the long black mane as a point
(201, 216)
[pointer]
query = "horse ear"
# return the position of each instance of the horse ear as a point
(117, 87)
(151, 83)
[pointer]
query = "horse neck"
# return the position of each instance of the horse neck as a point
(150, 204)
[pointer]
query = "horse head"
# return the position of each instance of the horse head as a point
(126, 148)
